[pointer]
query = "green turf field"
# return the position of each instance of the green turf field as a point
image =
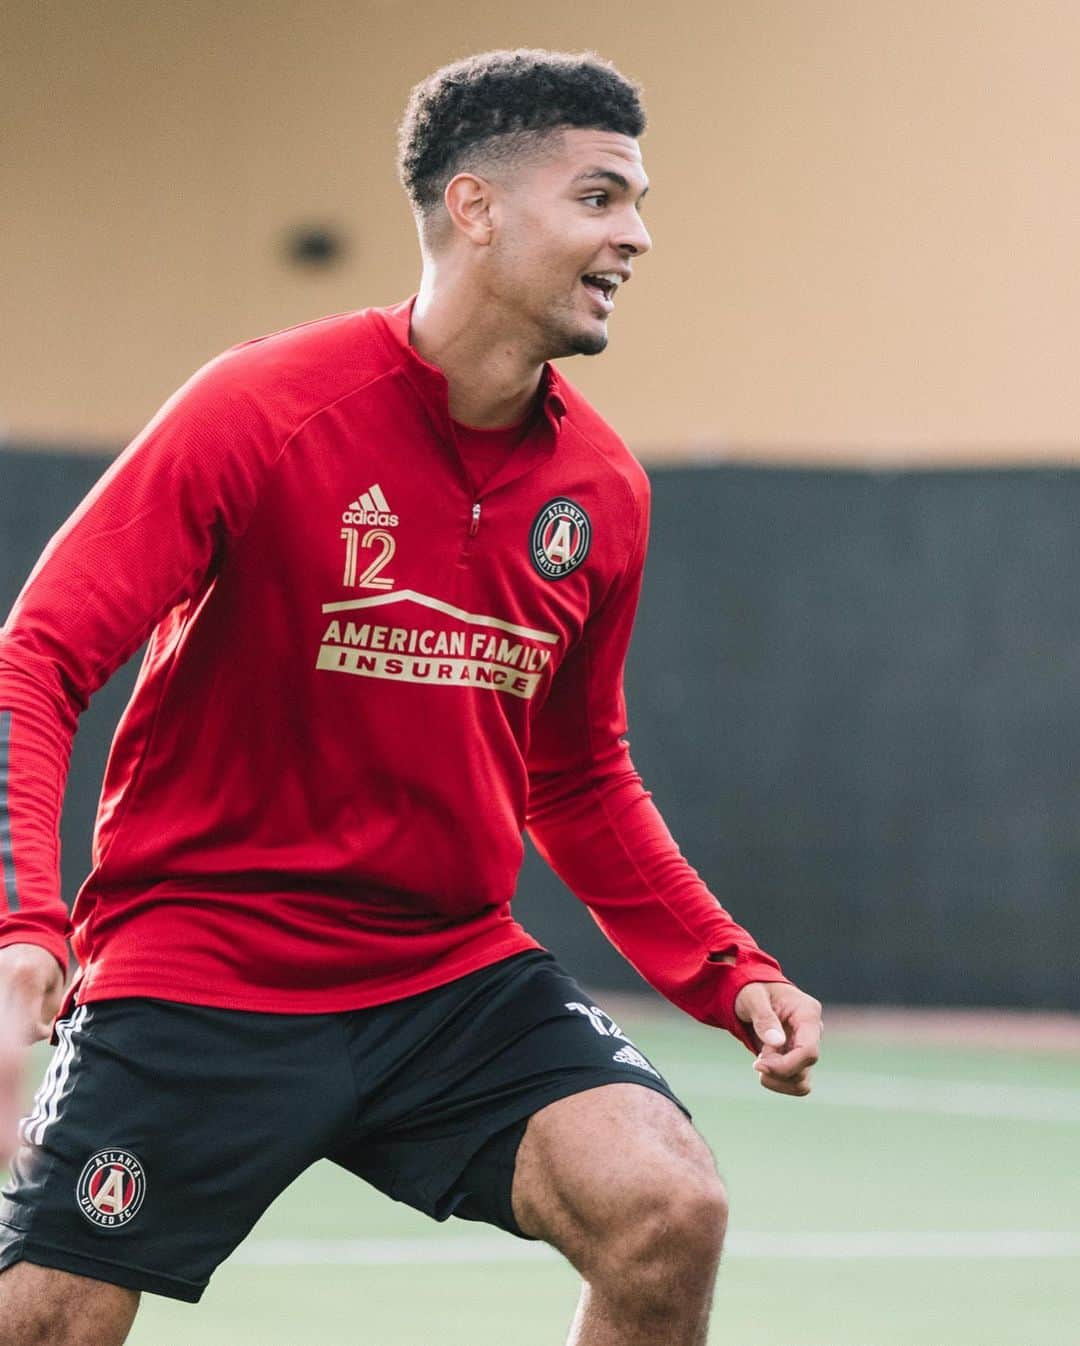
(921, 1197)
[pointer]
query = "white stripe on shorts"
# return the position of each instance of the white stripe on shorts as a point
(47, 1099)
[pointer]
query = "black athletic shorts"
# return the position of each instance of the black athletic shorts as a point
(162, 1131)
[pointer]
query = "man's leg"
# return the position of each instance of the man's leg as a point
(622, 1185)
(43, 1307)
(159, 1135)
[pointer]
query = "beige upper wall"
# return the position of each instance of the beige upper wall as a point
(865, 211)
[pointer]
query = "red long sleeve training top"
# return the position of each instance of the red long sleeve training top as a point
(364, 677)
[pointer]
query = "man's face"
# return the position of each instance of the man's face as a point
(567, 230)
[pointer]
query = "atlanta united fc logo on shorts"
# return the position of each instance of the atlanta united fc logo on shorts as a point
(111, 1188)
(560, 538)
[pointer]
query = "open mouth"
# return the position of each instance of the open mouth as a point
(602, 285)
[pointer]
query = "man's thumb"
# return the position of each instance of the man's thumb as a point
(761, 1017)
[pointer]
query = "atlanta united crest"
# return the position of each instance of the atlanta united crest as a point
(111, 1188)
(560, 538)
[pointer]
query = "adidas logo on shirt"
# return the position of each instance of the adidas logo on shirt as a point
(372, 508)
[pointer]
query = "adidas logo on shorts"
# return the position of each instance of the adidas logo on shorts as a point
(630, 1056)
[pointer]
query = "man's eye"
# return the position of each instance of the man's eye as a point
(600, 198)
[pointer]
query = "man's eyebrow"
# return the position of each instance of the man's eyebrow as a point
(605, 175)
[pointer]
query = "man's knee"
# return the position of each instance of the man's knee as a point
(621, 1183)
(40, 1306)
(656, 1262)
(675, 1218)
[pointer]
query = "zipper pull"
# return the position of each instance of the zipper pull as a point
(474, 526)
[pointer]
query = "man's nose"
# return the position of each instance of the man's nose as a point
(634, 239)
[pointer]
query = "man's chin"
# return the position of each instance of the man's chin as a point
(591, 343)
(581, 341)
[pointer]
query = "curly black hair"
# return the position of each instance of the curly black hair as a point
(497, 102)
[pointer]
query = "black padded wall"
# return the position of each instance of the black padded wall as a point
(852, 695)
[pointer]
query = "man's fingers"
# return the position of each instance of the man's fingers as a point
(31, 989)
(787, 1024)
(799, 1056)
(794, 1064)
(789, 1062)
(23, 1026)
(807, 1032)
(804, 1047)
(797, 1086)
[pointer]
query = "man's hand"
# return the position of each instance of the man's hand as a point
(787, 1022)
(31, 985)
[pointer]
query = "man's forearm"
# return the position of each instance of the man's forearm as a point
(606, 840)
(36, 731)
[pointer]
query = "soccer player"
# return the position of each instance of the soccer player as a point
(387, 563)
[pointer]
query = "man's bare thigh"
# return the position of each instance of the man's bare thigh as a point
(40, 1306)
(586, 1159)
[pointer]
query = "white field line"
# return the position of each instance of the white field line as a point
(844, 1247)
(901, 1093)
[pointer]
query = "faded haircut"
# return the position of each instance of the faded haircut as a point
(499, 107)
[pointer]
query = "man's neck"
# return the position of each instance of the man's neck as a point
(492, 380)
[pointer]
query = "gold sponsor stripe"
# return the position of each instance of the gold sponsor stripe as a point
(477, 619)
(400, 668)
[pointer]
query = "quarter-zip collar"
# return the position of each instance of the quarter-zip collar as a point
(430, 384)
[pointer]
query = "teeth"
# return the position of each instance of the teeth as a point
(612, 278)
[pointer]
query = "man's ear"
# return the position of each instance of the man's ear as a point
(468, 201)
